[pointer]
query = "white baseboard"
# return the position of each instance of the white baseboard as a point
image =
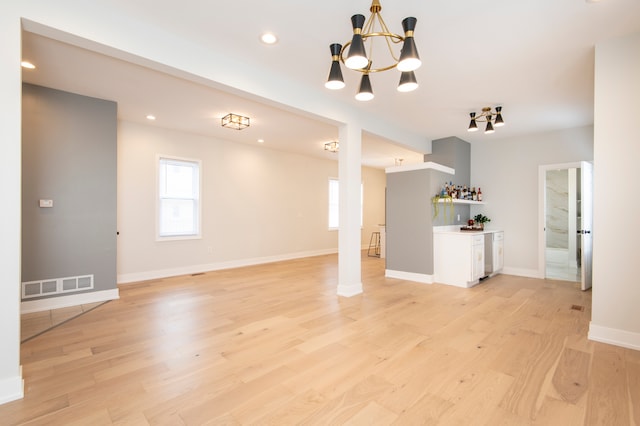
(529, 273)
(348, 290)
(69, 300)
(409, 276)
(12, 388)
(208, 267)
(613, 336)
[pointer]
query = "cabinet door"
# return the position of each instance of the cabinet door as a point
(477, 263)
(498, 255)
(498, 251)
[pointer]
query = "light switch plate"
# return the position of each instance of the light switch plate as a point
(46, 203)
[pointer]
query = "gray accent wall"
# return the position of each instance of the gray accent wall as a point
(409, 220)
(409, 232)
(68, 156)
(455, 153)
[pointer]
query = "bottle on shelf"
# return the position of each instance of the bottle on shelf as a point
(479, 194)
(474, 194)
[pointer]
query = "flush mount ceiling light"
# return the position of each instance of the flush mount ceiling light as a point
(492, 118)
(235, 121)
(357, 54)
(268, 38)
(332, 146)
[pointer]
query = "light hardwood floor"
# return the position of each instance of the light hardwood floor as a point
(35, 323)
(273, 344)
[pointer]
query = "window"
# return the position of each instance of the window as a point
(178, 198)
(334, 206)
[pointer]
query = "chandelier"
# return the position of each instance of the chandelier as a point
(358, 54)
(492, 118)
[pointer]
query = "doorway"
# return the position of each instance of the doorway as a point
(562, 215)
(565, 216)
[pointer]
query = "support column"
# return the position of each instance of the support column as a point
(349, 238)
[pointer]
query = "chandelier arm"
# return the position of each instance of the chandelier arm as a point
(396, 38)
(389, 37)
(483, 118)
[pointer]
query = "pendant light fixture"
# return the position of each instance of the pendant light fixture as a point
(357, 54)
(492, 118)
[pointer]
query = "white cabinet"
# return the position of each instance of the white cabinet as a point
(458, 258)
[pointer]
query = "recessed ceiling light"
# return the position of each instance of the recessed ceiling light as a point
(260, 140)
(269, 38)
(27, 64)
(151, 117)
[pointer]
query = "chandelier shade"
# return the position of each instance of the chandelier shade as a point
(335, 80)
(473, 127)
(499, 122)
(408, 82)
(366, 92)
(489, 128)
(358, 53)
(357, 57)
(409, 57)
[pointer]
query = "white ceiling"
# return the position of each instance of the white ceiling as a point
(535, 58)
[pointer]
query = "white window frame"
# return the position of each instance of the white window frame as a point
(196, 197)
(334, 185)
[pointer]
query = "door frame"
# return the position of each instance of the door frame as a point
(542, 219)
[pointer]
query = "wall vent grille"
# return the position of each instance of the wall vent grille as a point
(56, 286)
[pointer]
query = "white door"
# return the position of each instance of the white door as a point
(586, 222)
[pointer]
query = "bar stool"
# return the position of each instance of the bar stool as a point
(374, 243)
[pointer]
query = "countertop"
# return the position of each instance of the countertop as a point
(455, 229)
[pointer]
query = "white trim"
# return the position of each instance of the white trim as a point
(421, 166)
(409, 276)
(613, 336)
(196, 269)
(67, 301)
(520, 272)
(349, 290)
(12, 388)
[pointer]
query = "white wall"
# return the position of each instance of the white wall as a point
(616, 286)
(258, 204)
(507, 172)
